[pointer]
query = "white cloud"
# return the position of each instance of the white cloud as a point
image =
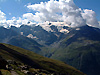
(15, 21)
(2, 16)
(63, 10)
(28, 16)
(90, 17)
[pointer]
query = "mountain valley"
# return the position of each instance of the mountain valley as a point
(78, 47)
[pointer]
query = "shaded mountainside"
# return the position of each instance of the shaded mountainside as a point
(85, 58)
(37, 32)
(10, 36)
(26, 43)
(81, 49)
(9, 52)
(6, 34)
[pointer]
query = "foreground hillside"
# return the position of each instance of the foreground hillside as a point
(14, 57)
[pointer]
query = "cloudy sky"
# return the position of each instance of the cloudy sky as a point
(76, 13)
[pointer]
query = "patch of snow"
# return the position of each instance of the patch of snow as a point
(77, 28)
(46, 26)
(64, 31)
(32, 37)
(21, 33)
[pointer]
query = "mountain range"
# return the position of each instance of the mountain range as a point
(78, 47)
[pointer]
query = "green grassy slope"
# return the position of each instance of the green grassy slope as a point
(9, 52)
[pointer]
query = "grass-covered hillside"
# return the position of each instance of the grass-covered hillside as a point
(16, 60)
